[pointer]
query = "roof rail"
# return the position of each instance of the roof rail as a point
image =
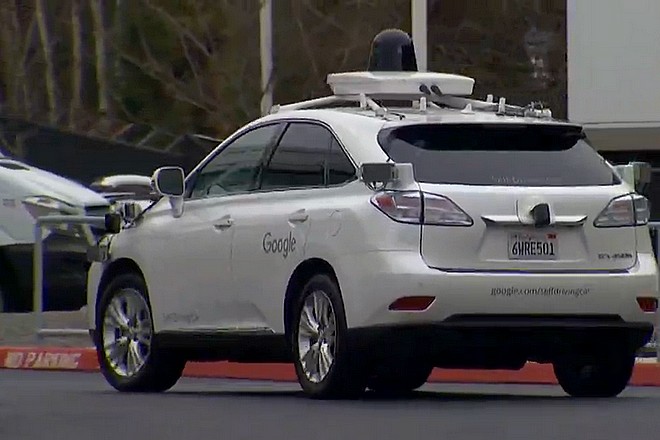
(422, 89)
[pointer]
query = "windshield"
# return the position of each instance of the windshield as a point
(498, 154)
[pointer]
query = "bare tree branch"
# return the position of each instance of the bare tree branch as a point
(192, 64)
(151, 69)
(177, 25)
(305, 41)
(324, 17)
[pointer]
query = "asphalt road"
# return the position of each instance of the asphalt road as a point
(72, 406)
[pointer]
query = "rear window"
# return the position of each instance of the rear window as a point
(498, 154)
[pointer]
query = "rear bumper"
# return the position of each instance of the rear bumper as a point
(64, 276)
(500, 342)
(371, 282)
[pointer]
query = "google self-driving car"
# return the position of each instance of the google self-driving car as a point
(369, 236)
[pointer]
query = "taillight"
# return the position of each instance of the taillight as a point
(420, 208)
(439, 210)
(628, 210)
(405, 207)
(648, 304)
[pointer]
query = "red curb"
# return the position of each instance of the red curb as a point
(48, 358)
(84, 359)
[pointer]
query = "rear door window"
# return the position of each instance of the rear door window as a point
(498, 154)
(299, 158)
(340, 167)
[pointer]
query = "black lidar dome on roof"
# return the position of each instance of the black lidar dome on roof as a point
(392, 50)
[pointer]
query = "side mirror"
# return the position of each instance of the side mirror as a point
(169, 181)
(387, 174)
(113, 223)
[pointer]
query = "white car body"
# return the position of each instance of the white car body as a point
(25, 193)
(120, 188)
(223, 266)
(361, 244)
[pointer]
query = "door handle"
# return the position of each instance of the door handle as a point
(299, 216)
(223, 223)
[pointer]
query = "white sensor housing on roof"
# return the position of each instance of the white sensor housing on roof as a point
(399, 85)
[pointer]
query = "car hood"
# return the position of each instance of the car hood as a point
(38, 182)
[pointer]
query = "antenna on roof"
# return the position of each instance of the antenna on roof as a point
(392, 50)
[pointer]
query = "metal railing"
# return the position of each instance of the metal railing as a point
(99, 221)
(38, 269)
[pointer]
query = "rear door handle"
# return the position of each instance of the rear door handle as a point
(299, 216)
(223, 223)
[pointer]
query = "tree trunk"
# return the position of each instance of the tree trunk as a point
(47, 43)
(100, 12)
(77, 66)
(31, 44)
(12, 70)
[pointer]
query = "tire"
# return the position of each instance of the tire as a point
(345, 376)
(2, 300)
(397, 379)
(605, 376)
(158, 371)
(7, 288)
(7, 284)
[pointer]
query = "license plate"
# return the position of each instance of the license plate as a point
(533, 246)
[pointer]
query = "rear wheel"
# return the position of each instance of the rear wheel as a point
(603, 376)
(325, 365)
(128, 353)
(399, 379)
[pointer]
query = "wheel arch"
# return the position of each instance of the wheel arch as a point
(117, 267)
(303, 272)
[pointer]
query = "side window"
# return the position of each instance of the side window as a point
(340, 167)
(236, 168)
(299, 159)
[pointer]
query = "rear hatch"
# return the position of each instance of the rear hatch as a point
(532, 197)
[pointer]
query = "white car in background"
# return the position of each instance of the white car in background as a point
(27, 192)
(119, 188)
(368, 243)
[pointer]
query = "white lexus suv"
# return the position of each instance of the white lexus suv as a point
(374, 234)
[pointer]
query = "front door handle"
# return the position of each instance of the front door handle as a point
(299, 216)
(223, 223)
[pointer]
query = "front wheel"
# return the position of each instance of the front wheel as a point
(325, 365)
(128, 354)
(605, 376)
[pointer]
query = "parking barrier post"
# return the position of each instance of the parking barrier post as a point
(38, 276)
